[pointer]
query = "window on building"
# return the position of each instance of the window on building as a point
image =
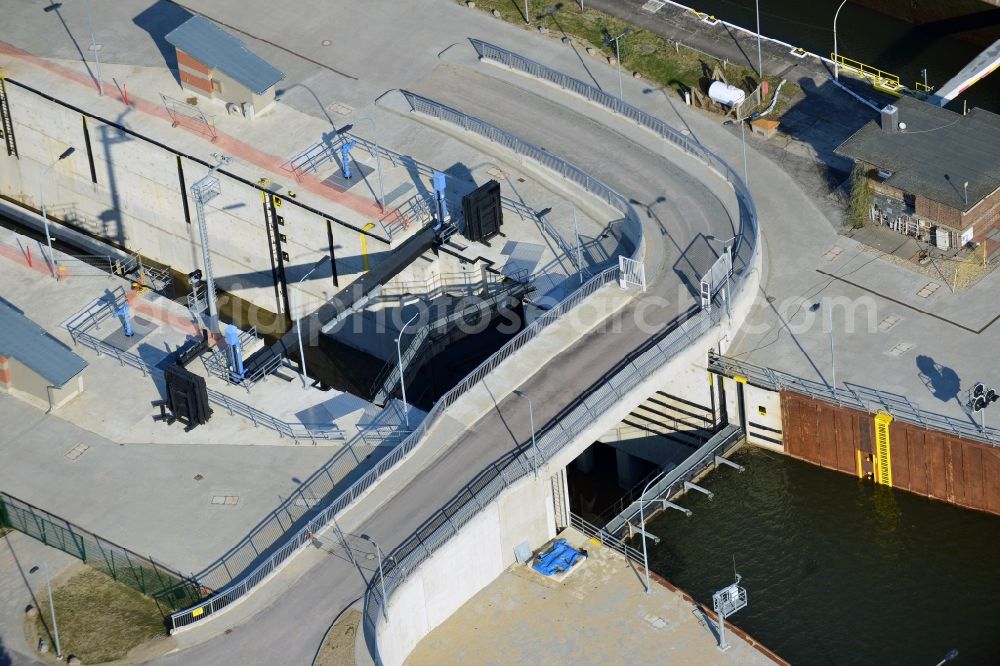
(216, 86)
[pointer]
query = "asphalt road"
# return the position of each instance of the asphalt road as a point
(679, 210)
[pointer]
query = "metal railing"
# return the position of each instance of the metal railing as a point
(673, 481)
(519, 63)
(301, 537)
(101, 310)
(858, 397)
(589, 407)
(169, 588)
(607, 540)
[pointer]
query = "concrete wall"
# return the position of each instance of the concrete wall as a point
(22, 382)
(134, 201)
(468, 562)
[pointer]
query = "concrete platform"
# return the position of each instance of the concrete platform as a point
(599, 615)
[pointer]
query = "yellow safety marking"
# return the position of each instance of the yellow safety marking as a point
(857, 454)
(276, 200)
(710, 380)
(740, 379)
(595, 541)
(364, 245)
(263, 196)
(197, 611)
(880, 79)
(883, 462)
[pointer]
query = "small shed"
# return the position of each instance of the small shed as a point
(213, 63)
(34, 366)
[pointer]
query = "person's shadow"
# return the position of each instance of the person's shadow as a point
(942, 381)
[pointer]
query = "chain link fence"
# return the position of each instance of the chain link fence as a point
(168, 588)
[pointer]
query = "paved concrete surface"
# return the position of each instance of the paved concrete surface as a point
(796, 233)
(671, 224)
(599, 614)
(19, 588)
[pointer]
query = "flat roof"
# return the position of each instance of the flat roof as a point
(937, 153)
(212, 46)
(30, 344)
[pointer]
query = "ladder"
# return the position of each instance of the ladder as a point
(6, 123)
(883, 463)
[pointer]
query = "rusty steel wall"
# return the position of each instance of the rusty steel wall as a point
(925, 462)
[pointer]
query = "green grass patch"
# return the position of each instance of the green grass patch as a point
(99, 619)
(664, 64)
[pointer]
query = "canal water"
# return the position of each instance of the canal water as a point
(838, 571)
(877, 39)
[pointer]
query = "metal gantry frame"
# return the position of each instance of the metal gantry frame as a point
(203, 191)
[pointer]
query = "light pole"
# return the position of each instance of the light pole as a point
(54, 7)
(952, 654)
(618, 57)
(381, 578)
(203, 191)
(828, 325)
(298, 319)
(52, 608)
(579, 243)
(836, 63)
(378, 161)
(760, 61)
(642, 527)
(527, 20)
(402, 373)
(531, 421)
(41, 200)
(94, 48)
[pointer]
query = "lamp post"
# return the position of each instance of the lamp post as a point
(952, 654)
(836, 63)
(531, 421)
(381, 577)
(41, 200)
(54, 7)
(378, 161)
(94, 48)
(642, 528)
(618, 57)
(579, 243)
(298, 319)
(402, 373)
(760, 61)
(52, 608)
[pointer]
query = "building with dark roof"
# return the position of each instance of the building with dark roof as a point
(34, 366)
(936, 173)
(213, 63)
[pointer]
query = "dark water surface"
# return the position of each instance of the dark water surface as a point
(839, 571)
(879, 40)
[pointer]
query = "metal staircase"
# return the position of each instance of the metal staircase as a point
(389, 378)
(6, 122)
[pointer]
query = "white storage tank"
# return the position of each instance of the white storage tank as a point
(723, 93)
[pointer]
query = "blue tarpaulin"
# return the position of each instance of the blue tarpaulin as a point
(560, 558)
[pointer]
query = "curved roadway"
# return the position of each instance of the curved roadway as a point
(675, 208)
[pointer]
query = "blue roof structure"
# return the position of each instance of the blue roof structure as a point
(214, 47)
(29, 343)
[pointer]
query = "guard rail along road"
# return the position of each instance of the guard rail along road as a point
(300, 537)
(685, 331)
